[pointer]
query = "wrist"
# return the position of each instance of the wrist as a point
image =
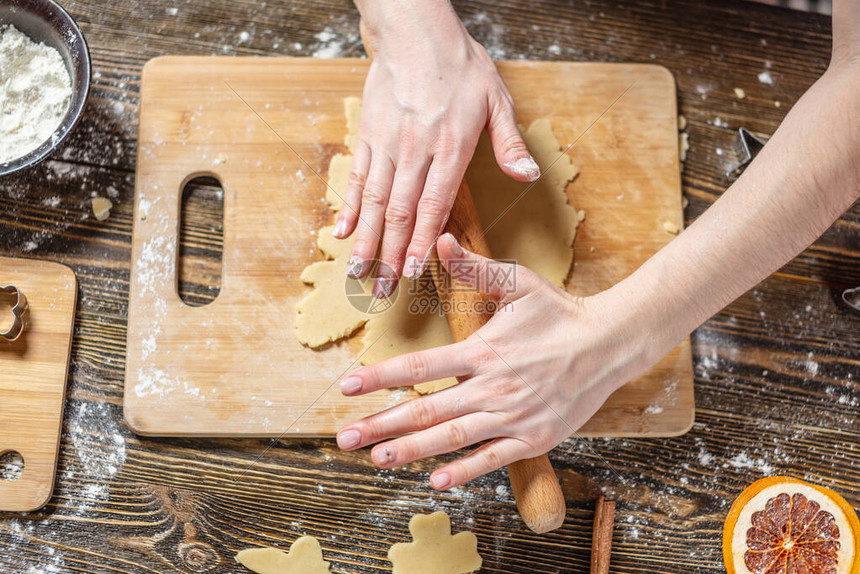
(613, 344)
(405, 25)
(645, 322)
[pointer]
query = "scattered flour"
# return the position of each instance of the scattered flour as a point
(703, 91)
(333, 44)
(811, 365)
(705, 458)
(491, 35)
(743, 460)
(153, 381)
(653, 409)
(765, 78)
(35, 89)
(325, 36)
(98, 450)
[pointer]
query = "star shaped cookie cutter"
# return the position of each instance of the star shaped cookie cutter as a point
(19, 314)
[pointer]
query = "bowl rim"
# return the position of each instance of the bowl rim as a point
(74, 113)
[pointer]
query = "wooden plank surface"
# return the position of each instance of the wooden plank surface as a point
(264, 128)
(33, 373)
(764, 405)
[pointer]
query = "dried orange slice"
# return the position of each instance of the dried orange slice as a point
(781, 525)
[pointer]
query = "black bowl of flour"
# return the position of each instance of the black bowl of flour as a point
(44, 22)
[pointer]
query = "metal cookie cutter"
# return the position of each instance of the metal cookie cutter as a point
(19, 314)
(747, 145)
(851, 297)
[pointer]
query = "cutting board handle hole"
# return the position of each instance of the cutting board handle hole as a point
(11, 465)
(201, 241)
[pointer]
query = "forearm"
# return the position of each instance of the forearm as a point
(806, 176)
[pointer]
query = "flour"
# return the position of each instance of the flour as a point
(35, 89)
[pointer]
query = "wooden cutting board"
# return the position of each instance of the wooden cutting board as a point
(234, 366)
(33, 373)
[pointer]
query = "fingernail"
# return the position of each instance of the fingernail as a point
(339, 228)
(440, 481)
(384, 455)
(525, 166)
(348, 439)
(413, 268)
(354, 266)
(383, 287)
(455, 245)
(350, 385)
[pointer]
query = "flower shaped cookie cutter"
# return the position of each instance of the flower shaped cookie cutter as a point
(19, 314)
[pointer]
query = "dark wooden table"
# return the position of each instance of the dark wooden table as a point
(777, 372)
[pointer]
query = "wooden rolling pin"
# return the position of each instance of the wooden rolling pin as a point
(540, 500)
(535, 485)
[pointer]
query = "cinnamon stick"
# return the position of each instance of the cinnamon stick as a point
(601, 541)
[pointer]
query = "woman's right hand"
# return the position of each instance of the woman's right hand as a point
(430, 91)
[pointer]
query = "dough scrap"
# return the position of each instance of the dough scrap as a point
(535, 228)
(305, 557)
(683, 145)
(434, 550)
(101, 207)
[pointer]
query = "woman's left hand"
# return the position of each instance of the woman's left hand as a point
(529, 378)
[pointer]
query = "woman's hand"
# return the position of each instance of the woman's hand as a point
(430, 91)
(538, 370)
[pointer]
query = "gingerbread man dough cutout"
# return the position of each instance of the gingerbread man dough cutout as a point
(434, 550)
(305, 557)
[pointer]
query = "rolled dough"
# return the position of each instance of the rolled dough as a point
(530, 224)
